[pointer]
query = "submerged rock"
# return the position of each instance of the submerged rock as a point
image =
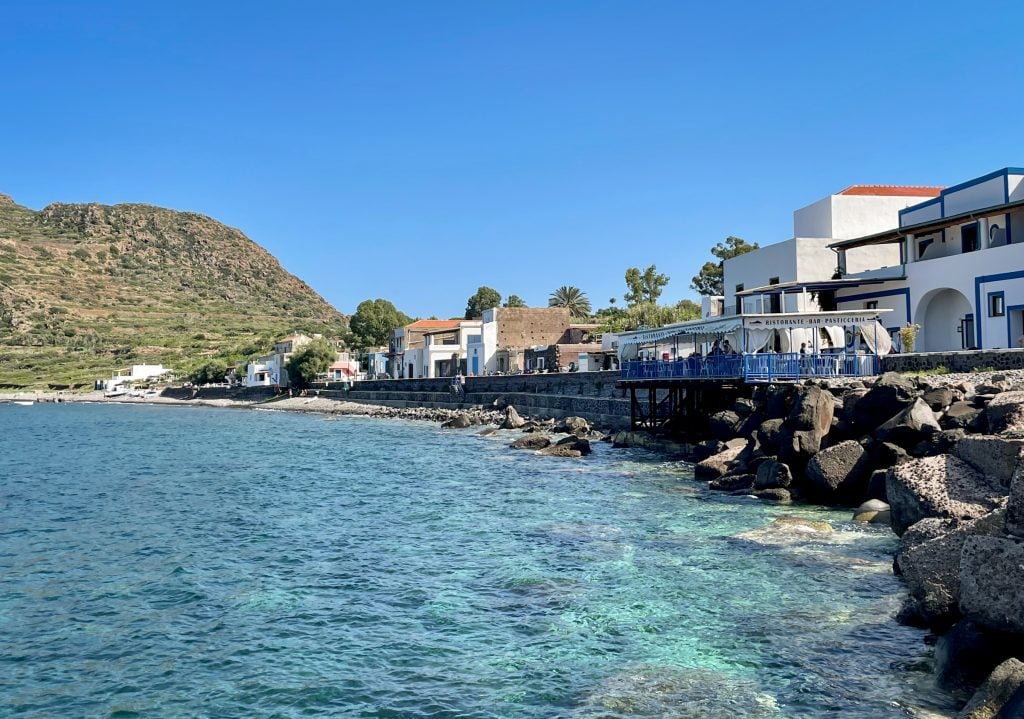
(664, 692)
(787, 530)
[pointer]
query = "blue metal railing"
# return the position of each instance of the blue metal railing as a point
(767, 367)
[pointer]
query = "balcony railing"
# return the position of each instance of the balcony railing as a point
(766, 367)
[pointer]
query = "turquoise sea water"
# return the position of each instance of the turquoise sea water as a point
(189, 562)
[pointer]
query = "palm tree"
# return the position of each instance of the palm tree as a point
(572, 297)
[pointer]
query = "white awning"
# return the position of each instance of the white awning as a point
(715, 326)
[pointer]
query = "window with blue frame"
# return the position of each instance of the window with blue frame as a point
(996, 304)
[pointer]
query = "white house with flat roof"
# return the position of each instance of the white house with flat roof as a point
(960, 270)
(807, 257)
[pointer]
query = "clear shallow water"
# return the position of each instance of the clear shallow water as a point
(173, 562)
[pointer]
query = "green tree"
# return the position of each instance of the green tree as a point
(515, 301)
(485, 298)
(373, 321)
(709, 281)
(211, 371)
(309, 361)
(644, 286)
(572, 297)
(687, 310)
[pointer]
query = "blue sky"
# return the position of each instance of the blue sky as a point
(417, 150)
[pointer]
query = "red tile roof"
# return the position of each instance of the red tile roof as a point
(433, 325)
(892, 190)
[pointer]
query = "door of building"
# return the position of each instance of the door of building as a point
(967, 332)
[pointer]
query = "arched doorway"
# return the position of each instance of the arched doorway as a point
(943, 316)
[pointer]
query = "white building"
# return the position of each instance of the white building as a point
(857, 211)
(960, 267)
(266, 371)
(135, 373)
(445, 352)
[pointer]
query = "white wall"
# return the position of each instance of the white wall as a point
(815, 261)
(754, 269)
(985, 194)
(959, 273)
(1015, 184)
(931, 211)
(815, 220)
(862, 215)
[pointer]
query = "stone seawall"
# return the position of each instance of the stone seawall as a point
(591, 395)
(240, 394)
(964, 361)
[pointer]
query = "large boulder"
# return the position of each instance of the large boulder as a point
(991, 578)
(773, 474)
(741, 483)
(1003, 683)
(931, 569)
(716, 465)
(1015, 505)
(580, 444)
(943, 486)
(512, 419)
(532, 441)
(1005, 412)
(938, 398)
(995, 457)
(911, 425)
(798, 446)
(572, 425)
(723, 425)
(770, 436)
(459, 421)
(960, 415)
(839, 473)
(813, 408)
(889, 396)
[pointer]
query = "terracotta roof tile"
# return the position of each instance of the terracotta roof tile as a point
(433, 325)
(892, 190)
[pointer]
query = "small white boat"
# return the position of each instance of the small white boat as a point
(23, 402)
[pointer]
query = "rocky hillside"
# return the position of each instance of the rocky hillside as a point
(88, 288)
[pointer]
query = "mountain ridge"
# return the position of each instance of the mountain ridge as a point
(86, 288)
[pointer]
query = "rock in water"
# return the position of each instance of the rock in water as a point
(715, 466)
(941, 486)
(572, 425)
(1001, 685)
(532, 441)
(459, 421)
(659, 692)
(772, 474)
(512, 419)
(870, 510)
(788, 530)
